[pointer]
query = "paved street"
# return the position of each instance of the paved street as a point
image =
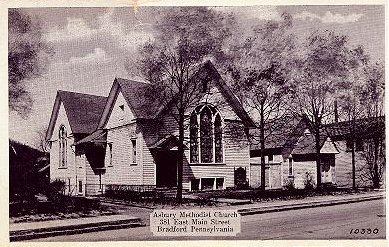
(332, 222)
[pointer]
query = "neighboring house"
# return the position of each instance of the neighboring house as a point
(74, 116)
(291, 158)
(129, 139)
(368, 133)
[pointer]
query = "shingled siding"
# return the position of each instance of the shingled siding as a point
(123, 171)
(344, 167)
(67, 173)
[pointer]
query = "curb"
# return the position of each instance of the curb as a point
(279, 208)
(74, 229)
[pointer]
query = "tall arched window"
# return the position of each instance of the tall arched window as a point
(62, 146)
(206, 143)
(218, 139)
(206, 140)
(194, 144)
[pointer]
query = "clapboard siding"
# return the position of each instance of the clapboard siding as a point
(123, 171)
(148, 162)
(302, 169)
(273, 171)
(344, 166)
(92, 179)
(68, 173)
(121, 113)
(226, 172)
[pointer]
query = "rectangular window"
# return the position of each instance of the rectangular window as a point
(195, 184)
(79, 186)
(219, 183)
(207, 183)
(109, 154)
(290, 167)
(270, 158)
(133, 160)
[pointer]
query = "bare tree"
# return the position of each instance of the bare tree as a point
(261, 75)
(27, 58)
(372, 98)
(41, 143)
(349, 98)
(185, 37)
(322, 67)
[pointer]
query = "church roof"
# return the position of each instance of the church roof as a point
(83, 111)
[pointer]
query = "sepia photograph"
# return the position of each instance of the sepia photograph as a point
(155, 123)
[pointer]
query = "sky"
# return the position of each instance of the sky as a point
(94, 45)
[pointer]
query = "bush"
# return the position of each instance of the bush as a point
(205, 199)
(289, 184)
(132, 193)
(55, 190)
(309, 183)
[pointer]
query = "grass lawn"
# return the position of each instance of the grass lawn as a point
(256, 195)
(64, 207)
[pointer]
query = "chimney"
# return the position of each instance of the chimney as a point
(336, 111)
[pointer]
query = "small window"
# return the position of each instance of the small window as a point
(121, 112)
(80, 186)
(133, 142)
(271, 158)
(290, 167)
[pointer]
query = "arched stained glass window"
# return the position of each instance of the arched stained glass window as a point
(206, 135)
(194, 144)
(62, 146)
(218, 139)
(206, 138)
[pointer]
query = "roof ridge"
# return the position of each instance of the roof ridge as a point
(144, 81)
(65, 91)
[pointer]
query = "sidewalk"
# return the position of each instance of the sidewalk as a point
(309, 202)
(30, 230)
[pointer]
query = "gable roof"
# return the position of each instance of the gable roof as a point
(363, 127)
(290, 139)
(307, 145)
(139, 96)
(82, 110)
(232, 100)
(279, 133)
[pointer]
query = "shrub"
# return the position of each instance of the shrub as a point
(309, 183)
(289, 184)
(205, 199)
(132, 193)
